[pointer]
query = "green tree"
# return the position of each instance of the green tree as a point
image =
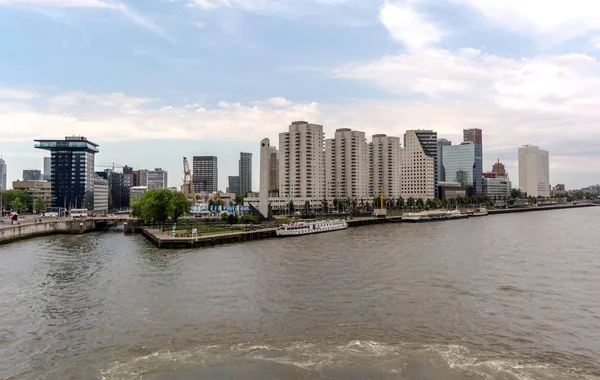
(354, 207)
(410, 202)
(429, 204)
(248, 219)
(154, 205)
(306, 208)
(516, 193)
(39, 205)
(291, 207)
(325, 205)
(239, 200)
(181, 205)
(11, 195)
(419, 203)
(400, 202)
(17, 204)
(444, 202)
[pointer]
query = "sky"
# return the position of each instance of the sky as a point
(151, 81)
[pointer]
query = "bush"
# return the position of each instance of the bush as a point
(248, 219)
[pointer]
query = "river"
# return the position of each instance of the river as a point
(498, 297)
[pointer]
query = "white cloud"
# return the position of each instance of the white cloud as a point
(595, 43)
(408, 26)
(16, 94)
(61, 3)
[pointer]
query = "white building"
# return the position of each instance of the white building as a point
(100, 194)
(417, 167)
(157, 179)
(385, 159)
(497, 189)
(302, 161)
(347, 169)
(2, 175)
(534, 171)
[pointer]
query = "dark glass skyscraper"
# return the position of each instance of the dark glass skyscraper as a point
(245, 173)
(72, 168)
(205, 174)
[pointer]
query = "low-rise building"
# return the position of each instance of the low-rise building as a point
(452, 190)
(497, 189)
(136, 192)
(36, 189)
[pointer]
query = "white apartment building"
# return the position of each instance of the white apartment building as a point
(157, 179)
(534, 171)
(302, 161)
(347, 172)
(417, 168)
(385, 158)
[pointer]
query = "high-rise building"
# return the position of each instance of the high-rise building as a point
(499, 169)
(245, 173)
(32, 175)
(347, 168)
(157, 179)
(72, 168)
(47, 168)
(534, 171)
(205, 174)
(119, 189)
(101, 194)
(463, 164)
(474, 135)
(2, 175)
(234, 184)
(418, 164)
(441, 177)
(273, 169)
(142, 178)
(302, 161)
(385, 159)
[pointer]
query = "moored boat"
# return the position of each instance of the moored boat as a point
(433, 216)
(481, 212)
(309, 226)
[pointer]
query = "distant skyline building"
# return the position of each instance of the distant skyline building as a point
(158, 179)
(385, 159)
(3, 171)
(233, 184)
(302, 161)
(499, 169)
(347, 170)
(72, 167)
(142, 178)
(245, 173)
(463, 164)
(273, 168)
(534, 171)
(32, 175)
(441, 177)
(418, 164)
(48, 168)
(205, 174)
(132, 174)
(474, 135)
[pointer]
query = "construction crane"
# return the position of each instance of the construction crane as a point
(188, 182)
(110, 165)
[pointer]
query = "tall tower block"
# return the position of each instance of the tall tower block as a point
(263, 198)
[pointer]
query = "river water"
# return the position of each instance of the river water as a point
(499, 297)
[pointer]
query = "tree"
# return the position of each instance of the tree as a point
(17, 204)
(515, 193)
(444, 202)
(325, 205)
(239, 200)
(154, 205)
(248, 219)
(11, 195)
(354, 207)
(419, 203)
(429, 204)
(410, 202)
(306, 208)
(291, 207)
(39, 205)
(181, 205)
(400, 202)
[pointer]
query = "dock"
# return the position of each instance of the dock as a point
(162, 239)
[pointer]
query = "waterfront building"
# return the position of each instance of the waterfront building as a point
(32, 175)
(101, 196)
(452, 190)
(385, 158)
(418, 164)
(245, 173)
(205, 174)
(3, 174)
(441, 177)
(136, 192)
(234, 184)
(273, 169)
(157, 179)
(463, 164)
(36, 189)
(534, 171)
(72, 168)
(497, 189)
(347, 165)
(119, 189)
(47, 168)
(474, 135)
(499, 169)
(302, 161)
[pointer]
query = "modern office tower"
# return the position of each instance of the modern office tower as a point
(347, 168)
(499, 169)
(72, 168)
(47, 168)
(385, 159)
(157, 179)
(440, 163)
(234, 184)
(3, 171)
(245, 173)
(32, 175)
(463, 164)
(534, 171)
(474, 135)
(264, 177)
(418, 164)
(205, 174)
(302, 161)
(273, 169)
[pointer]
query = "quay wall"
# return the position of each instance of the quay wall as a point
(9, 234)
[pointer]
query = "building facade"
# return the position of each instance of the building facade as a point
(452, 190)
(3, 175)
(72, 168)
(118, 189)
(205, 174)
(418, 164)
(101, 196)
(474, 135)
(497, 189)
(36, 189)
(463, 164)
(136, 192)
(534, 171)
(47, 168)
(142, 177)
(347, 169)
(32, 175)
(157, 179)
(302, 161)
(245, 173)
(234, 184)
(441, 177)
(385, 159)
(273, 169)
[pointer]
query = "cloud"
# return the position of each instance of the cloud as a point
(60, 3)
(409, 26)
(9, 93)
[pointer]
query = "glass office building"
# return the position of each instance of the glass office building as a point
(464, 164)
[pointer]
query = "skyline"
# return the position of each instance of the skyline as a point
(212, 77)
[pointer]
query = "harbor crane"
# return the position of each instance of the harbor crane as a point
(188, 182)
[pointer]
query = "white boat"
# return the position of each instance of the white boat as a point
(433, 216)
(309, 226)
(481, 212)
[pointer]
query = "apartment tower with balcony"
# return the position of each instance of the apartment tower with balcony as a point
(384, 159)
(347, 169)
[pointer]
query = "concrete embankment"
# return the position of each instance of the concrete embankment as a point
(32, 229)
(163, 240)
(540, 208)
